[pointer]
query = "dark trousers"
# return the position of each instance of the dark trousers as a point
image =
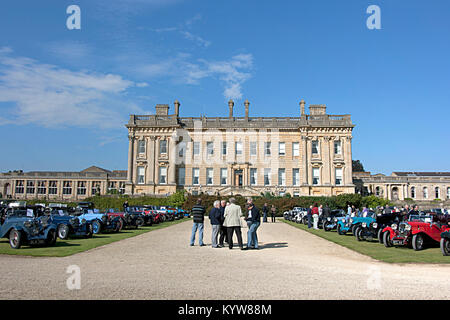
(309, 216)
(230, 231)
(273, 218)
(223, 235)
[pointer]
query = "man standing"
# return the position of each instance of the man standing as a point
(223, 230)
(215, 217)
(273, 212)
(265, 210)
(253, 221)
(315, 216)
(125, 206)
(198, 213)
(309, 216)
(233, 214)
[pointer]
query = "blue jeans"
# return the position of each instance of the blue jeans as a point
(309, 216)
(252, 237)
(196, 226)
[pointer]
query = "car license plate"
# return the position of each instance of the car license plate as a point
(398, 242)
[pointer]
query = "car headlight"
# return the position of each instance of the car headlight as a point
(335, 219)
(364, 224)
(408, 227)
(375, 225)
(394, 226)
(83, 221)
(351, 220)
(328, 219)
(343, 220)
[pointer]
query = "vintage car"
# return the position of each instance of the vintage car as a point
(445, 243)
(145, 213)
(27, 226)
(69, 225)
(346, 224)
(169, 212)
(130, 219)
(179, 213)
(418, 232)
(374, 229)
(330, 223)
(100, 221)
(157, 217)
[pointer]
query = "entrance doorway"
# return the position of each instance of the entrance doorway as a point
(238, 178)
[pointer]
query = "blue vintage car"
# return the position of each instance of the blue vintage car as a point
(100, 221)
(69, 225)
(25, 226)
(346, 224)
(330, 223)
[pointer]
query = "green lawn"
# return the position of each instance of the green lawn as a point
(64, 248)
(379, 251)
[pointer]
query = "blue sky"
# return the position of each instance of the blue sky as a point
(65, 95)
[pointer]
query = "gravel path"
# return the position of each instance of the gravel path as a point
(292, 264)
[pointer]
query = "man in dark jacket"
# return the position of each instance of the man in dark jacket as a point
(253, 219)
(265, 210)
(223, 230)
(215, 218)
(309, 216)
(198, 213)
(326, 211)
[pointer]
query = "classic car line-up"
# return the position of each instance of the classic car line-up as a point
(26, 224)
(389, 227)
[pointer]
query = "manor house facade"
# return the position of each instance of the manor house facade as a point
(310, 154)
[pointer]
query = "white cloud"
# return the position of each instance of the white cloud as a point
(233, 73)
(199, 40)
(50, 96)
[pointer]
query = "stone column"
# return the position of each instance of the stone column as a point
(130, 157)
(156, 168)
(326, 161)
(304, 162)
(348, 161)
(172, 161)
(134, 172)
(151, 159)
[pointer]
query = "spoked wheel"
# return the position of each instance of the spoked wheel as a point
(354, 230)
(380, 236)
(63, 231)
(445, 246)
(417, 242)
(96, 226)
(387, 239)
(51, 238)
(325, 227)
(339, 230)
(358, 233)
(15, 239)
(119, 225)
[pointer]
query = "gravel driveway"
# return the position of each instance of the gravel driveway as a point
(292, 264)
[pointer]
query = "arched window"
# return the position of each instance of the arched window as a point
(377, 191)
(413, 192)
(437, 193)
(425, 192)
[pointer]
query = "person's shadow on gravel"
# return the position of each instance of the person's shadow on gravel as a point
(273, 245)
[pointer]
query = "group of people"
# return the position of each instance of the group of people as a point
(226, 220)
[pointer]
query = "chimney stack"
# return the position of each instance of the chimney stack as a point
(231, 105)
(177, 108)
(246, 103)
(302, 107)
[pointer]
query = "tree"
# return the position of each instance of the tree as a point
(357, 166)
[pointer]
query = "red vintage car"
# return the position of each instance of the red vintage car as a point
(133, 220)
(418, 232)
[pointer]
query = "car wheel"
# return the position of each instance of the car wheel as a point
(325, 227)
(119, 225)
(358, 234)
(354, 230)
(96, 227)
(140, 222)
(339, 231)
(387, 239)
(445, 247)
(417, 242)
(89, 231)
(51, 238)
(63, 231)
(15, 239)
(380, 236)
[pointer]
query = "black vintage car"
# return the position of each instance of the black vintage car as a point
(445, 243)
(374, 230)
(330, 222)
